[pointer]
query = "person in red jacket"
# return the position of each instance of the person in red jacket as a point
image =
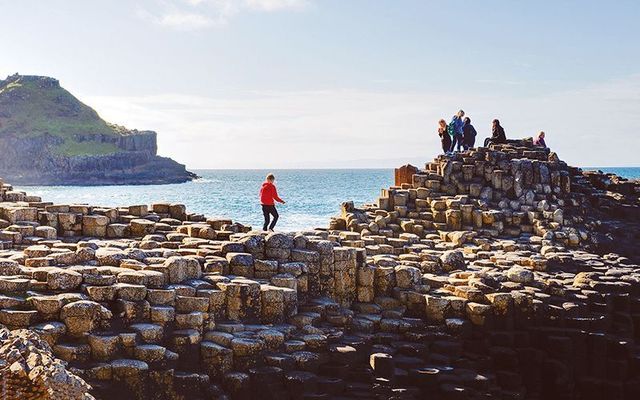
(268, 194)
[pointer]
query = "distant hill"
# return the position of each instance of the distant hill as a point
(49, 137)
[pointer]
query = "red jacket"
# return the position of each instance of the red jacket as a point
(268, 194)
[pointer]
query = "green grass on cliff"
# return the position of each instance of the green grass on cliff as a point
(74, 148)
(34, 106)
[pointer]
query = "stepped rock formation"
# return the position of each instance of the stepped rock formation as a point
(495, 273)
(48, 137)
(29, 370)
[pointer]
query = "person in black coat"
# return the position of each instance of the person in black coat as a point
(497, 134)
(469, 134)
(445, 138)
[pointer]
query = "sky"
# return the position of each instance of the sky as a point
(340, 83)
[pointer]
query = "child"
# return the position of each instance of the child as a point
(268, 194)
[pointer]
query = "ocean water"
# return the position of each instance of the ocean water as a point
(626, 172)
(312, 196)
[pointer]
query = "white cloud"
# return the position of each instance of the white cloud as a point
(199, 14)
(594, 126)
(273, 5)
(182, 20)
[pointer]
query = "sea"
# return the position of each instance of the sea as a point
(312, 196)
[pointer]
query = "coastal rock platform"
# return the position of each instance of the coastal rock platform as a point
(494, 273)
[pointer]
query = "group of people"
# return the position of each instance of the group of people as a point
(460, 134)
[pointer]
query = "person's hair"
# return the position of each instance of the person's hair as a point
(461, 112)
(442, 122)
(496, 122)
(467, 120)
(271, 177)
(541, 134)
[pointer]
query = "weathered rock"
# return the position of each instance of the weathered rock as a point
(30, 370)
(520, 275)
(453, 260)
(182, 268)
(61, 279)
(81, 317)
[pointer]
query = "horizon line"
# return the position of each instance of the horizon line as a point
(352, 168)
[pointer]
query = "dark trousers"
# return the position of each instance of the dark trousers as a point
(269, 211)
(457, 140)
(469, 142)
(446, 143)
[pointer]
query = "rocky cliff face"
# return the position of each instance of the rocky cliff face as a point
(48, 137)
(32, 161)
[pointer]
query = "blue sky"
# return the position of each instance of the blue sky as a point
(323, 83)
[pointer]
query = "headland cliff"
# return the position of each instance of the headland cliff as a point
(49, 137)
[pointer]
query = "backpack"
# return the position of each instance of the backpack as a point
(451, 128)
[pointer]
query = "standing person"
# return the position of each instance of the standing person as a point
(497, 134)
(269, 194)
(455, 130)
(539, 141)
(469, 133)
(445, 138)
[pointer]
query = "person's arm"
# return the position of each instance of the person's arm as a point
(275, 196)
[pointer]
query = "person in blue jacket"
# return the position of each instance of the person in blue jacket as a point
(456, 131)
